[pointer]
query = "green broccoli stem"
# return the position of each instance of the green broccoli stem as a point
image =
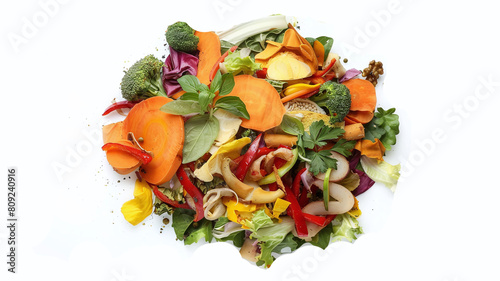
(156, 88)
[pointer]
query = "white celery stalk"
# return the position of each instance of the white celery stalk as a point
(240, 32)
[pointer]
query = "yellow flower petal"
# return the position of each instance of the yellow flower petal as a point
(137, 209)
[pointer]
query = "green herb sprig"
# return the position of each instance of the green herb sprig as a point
(201, 130)
(309, 145)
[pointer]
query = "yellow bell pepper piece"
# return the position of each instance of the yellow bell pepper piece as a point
(298, 87)
(237, 211)
(279, 207)
(137, 209)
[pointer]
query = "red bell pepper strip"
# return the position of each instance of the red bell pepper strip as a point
(324, 71)
(295, 212)
(167, 200)
(216, 66)
(273, 186)
(319, 220)
(263, 151)
(248, 158)
(296, 182)
(118, 105)
(262, 73)
(142, 156)
(193, 191)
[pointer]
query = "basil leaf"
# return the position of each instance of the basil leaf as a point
(227, 84)
(189, 83)
(204, 100)
(291, 125)
(202, 87)
(181, 220)
(203, 229)
(181, 107)
(322, 239)
(234, 105)
(215, 84)
(200, 132)
(310, 40)
(189, 96)
(327, 44)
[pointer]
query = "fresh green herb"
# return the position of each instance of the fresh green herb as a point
(310, 143)
(322, 239)
(202, 130)
(384, 126)
(327, 44)
(181, 220)
(291, 125)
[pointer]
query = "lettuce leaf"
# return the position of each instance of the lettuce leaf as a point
(345, 227)
(269, 237)
(381, 171)
(259, 220)
(235, 63)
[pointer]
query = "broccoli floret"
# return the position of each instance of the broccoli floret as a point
(336, 98)
(180, 36)
(143, 80)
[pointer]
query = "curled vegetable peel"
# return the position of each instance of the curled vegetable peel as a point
(344, 203)
(248, 193)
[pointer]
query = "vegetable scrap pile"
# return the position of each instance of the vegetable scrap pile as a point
(255, 135)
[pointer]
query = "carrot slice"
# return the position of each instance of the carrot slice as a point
(362, 117)
(209, 47)
(163, 135)
(122, 162)
(363, 97)
(262, 101)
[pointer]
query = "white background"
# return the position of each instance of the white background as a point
(61, 65)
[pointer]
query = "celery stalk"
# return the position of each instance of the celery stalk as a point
(240, 32)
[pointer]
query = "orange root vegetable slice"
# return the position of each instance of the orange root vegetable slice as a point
(262, 101)
(209, 47)
(162, 134)
(319, 50)
(362, 117)
(122, 162)
(363, 97)
(113, 132)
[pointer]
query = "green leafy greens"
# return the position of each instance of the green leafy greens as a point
(310, 142)
(202, 130)
(384, 126)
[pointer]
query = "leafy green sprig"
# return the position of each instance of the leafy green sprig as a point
(202, 129)
(309, 145)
